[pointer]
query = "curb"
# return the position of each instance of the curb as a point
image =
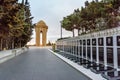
(79, 68)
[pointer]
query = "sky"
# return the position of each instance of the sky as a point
(52, 12)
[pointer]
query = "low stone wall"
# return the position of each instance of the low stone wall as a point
(8, 54)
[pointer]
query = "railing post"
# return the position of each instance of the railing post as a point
(86, 48)
(97, 50)
(115, 58)
(91, 49)
(105, 52)
(82, 48)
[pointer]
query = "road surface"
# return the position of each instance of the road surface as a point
(38, 64)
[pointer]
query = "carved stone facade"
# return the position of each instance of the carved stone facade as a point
(41, 28)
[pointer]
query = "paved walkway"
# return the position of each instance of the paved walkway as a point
(38, 64)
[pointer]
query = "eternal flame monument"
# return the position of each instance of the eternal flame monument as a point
(41, 33)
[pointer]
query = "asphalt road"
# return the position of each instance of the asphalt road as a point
(38, 64)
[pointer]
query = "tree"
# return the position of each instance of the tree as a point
(7, 7)
(15, 24)
(68, 23)
(95, 16)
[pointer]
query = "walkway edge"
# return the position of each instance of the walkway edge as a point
(9, 54)
(81, 69)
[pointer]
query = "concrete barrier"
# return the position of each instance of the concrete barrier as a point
(8, 54)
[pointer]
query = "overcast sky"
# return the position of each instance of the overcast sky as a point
(52, 12)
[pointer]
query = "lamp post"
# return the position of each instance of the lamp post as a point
(61, 30)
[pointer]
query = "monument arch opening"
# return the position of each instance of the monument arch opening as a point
(41, 33)
(41, 38)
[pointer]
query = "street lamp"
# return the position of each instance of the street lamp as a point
(61, 30)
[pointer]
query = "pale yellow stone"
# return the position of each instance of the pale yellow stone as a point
(41, 27)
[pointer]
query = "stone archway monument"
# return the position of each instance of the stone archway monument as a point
(41, 33)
